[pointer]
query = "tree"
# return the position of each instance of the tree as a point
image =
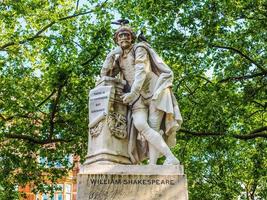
(218, 53)
(51, 54)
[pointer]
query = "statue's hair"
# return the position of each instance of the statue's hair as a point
(124, 28)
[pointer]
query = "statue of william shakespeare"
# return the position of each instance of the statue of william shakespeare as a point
(153, 113)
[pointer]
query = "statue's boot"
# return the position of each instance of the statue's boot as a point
(155, 139)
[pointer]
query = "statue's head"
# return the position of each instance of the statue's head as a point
(124, 37)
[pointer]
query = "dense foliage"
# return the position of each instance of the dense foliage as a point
(51, 53)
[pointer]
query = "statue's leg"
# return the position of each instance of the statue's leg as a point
(140, 117)
(153, 154)
(154, 120)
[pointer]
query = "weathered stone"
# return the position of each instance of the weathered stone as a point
(108, 141)
(131, 182)
(150, 98)
(130, 124)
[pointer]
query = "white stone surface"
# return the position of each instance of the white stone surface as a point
(132, 182)
(132, 169)
(99, 103)
(149, 97)
(108, 141)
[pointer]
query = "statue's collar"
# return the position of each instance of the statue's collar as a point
(126, 52)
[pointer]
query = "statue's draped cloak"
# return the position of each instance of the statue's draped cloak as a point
(165, 101)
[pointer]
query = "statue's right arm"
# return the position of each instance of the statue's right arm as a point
(111, 65)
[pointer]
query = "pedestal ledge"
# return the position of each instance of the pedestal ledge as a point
(132, 182)
(132, 169)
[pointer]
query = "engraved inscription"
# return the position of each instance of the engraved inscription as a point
(98, 104)
(132, 181)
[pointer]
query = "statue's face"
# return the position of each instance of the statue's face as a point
(124, 39)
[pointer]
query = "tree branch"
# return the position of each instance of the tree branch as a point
(241, 54)
(258, 130)
(49, 25)
(255, 113)
(39, 32)
(181, 80)
(259, 104)
(51, 121)
(27, 114)
(257, 133)
(238, 78)
(2, 117)
(76, 15)
(48, 97)
(204, 78)
(90, 59)
(34, 139)
(55, 108)
(251, 136)
(201, 134)
(30, 38)
(77, 5)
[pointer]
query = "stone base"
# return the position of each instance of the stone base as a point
(104, 157)
(131, 182)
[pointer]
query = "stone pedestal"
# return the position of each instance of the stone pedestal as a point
(108, 139)
(107, 173)
(132, 182)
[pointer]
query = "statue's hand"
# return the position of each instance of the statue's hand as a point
(115, 51)
(128, 97)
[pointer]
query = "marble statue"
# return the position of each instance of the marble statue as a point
(153, 115)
